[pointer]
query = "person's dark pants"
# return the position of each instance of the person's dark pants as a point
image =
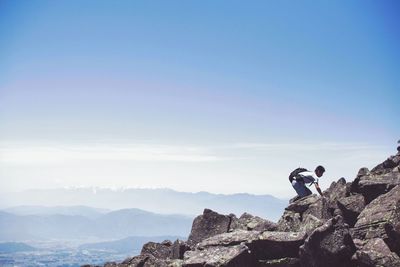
(301, 188)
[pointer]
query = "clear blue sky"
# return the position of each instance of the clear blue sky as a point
(197, 76)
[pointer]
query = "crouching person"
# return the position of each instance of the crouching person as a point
(300, 178)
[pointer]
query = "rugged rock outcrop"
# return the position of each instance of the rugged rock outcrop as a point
(376, 253)
(178, 249)
(351, 207)
(235, 256)
(379, 180)
(207, 225)
(263, 245)
(329, 245)
(250, 222)
(353, 224)
(158, 250)
(381, 219)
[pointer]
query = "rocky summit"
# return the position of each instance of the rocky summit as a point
(354, 224)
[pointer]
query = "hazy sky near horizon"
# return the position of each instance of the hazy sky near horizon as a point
(220, 96)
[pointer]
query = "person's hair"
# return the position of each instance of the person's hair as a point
(320, 169)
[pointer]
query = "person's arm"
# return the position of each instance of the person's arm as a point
(318, 189)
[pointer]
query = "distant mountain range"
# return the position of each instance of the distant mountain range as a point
(60, 210)
(85, 226)
(162, 201)
(66, 214)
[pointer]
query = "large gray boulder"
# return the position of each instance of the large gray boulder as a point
(263, 245)
(277, 245)
(143, 260)
(158, 250)
(178, 249)
(330, 245)
(308, 212)
(387, 165)
(301, 205)
(322, 209)
(336, 191)
(376, 253)
(296, 222)
(379, 180)
(362, 172)
(381, 219)
(174, 263)
(155, 254)
(351, 207)
(284, 262)
(310, 223)
(230, 239)
(219, 256)
(290, 221)
(209, 224)
(249, 222)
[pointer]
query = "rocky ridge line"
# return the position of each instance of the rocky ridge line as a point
(354, 224)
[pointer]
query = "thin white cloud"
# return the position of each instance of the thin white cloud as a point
(57, 153)
(236, 167)
(305, 146)
(133, 152)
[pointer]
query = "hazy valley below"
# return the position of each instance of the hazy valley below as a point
(71, 231)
